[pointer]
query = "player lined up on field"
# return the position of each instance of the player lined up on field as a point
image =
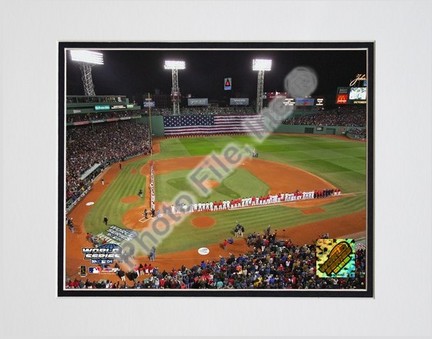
(255, 201)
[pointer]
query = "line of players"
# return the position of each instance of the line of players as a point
(256, 201)
(152, 187)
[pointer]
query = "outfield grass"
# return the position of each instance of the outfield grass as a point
(329, 158)
(341, 162)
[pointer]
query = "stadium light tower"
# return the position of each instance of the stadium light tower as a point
(174, 66)
(260, 65)
(86, 60)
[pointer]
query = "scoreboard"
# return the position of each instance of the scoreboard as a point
(351, 95)
(355, 93)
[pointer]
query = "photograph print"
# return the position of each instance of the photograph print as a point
(216, 169)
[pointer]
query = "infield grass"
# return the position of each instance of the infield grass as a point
(240, 183)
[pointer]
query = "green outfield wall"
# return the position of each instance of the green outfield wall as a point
(156, 125)
(299, 129)
(158, 128)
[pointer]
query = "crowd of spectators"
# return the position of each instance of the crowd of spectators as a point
(233, 110)
(100, 116)
(356, 133)
(346, 116)
(101, 144)
(270, 263)
(93, 99)
(309, 109)
(352, 109)
(159, 111)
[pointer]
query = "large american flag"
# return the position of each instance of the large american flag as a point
(212, 124)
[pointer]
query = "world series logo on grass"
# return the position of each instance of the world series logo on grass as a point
(104, 254)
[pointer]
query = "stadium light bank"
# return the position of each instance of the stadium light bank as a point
(175, 66)
(261, 66)
(299, 82)
(86, 60)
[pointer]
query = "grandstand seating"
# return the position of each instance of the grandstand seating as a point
(100, 145)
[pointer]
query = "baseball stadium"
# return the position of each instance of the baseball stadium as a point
(259, 188)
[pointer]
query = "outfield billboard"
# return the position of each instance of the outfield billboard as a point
(319, 102)
(102, 107)
(148, 104)
(289, 102)
(304, 101)
(118, 106)
(239, 101)
(198, 102)
(342, 95)
(227, 84)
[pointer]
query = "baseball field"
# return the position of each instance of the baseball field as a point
(286, 163)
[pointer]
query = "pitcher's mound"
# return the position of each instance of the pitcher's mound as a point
(210, 183)
(130, 199)
(203, 222)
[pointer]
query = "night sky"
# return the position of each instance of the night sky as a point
(137, 72)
